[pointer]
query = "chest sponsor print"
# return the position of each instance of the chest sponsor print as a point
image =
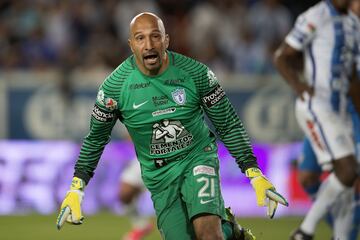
(160, 100)
(169, 136)
(174, 81)
(163, 111)
(139, 85)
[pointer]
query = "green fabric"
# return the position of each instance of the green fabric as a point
(164, 116)
(194, 193)
(227, 230)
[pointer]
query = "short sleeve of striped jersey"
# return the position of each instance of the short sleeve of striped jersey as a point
(303, 31)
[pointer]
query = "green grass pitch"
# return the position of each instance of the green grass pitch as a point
(108, 226)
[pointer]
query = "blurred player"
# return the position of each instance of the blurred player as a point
(309, 169)
(327, 36)
(162, 97)
(309, 176)
(131, 187)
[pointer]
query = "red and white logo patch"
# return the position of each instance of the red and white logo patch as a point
(110, 103)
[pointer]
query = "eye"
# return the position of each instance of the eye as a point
(139, 38)
(156, 36)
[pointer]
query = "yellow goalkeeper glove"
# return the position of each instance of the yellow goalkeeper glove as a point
(266, 194)
(70, 209)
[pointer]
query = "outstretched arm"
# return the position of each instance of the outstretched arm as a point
(102, 121)
(232, 133)
(101, 124)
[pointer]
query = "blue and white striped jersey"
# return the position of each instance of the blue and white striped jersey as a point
(330, 44)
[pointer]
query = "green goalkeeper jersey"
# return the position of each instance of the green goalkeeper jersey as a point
(164, 116)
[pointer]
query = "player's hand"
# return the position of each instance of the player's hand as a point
(266, 194)
(303, 89)
(70, 210)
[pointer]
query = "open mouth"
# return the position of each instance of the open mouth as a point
(151, 58)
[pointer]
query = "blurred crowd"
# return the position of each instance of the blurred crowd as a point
(228, 35)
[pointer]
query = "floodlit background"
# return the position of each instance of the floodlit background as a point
(55, 53)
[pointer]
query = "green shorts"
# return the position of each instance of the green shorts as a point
(195, 192)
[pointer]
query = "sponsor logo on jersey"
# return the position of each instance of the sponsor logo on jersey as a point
(139, 85)
(136, 106)
(311, 27)
(213, 96)
(102, 115)
(202, 169)
(110, 103)
(317, 140)
(169, 136)
(160, 162)
(202, 201)
(163, 111)
(160, 100)
(174, 81)
(179, 96)
(212, 78)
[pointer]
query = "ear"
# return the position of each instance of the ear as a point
(129, 43)
(167, 41)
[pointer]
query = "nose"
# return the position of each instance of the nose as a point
(148, 44)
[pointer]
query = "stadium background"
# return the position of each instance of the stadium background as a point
(53, 56)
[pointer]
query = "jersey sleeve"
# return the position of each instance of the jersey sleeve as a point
(304, 30)
(103, 118)
(227, 124)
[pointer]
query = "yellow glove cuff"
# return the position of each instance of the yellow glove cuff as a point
(77, 184)
(253, 172)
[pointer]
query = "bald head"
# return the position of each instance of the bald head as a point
(146, 18)
(148, 42)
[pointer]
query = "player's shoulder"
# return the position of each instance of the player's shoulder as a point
(317, 14)
(120, 73)
(111, 87)
(187, 64)
(199, 72)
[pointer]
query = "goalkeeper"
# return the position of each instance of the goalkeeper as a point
(161, 96)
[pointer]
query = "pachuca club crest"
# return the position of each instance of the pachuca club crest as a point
(179, 96)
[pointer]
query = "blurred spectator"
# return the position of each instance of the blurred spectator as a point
(57, 25)
(249, 54)
(37, 52)
(125, 10)
(228, 35)
(204, 18)
(269, 21)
